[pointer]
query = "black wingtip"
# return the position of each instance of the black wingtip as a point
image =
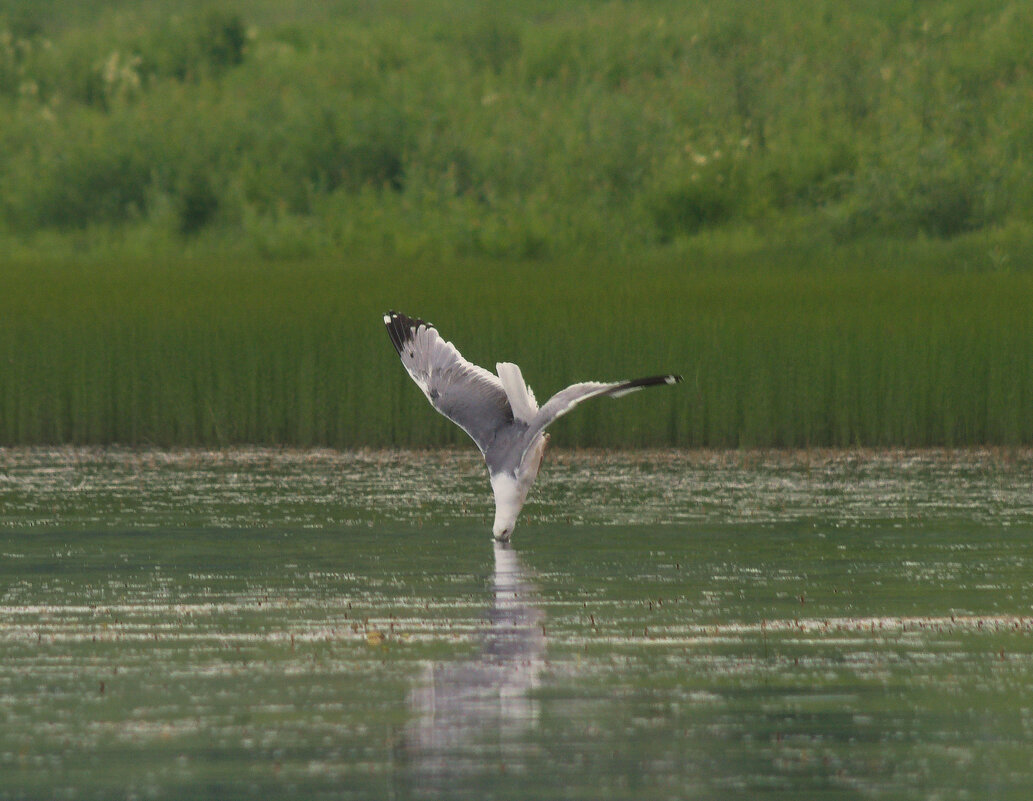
(401, 328)
(394, 329)
(639, 383)
(652, 381)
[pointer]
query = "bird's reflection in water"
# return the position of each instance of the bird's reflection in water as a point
(471, 719)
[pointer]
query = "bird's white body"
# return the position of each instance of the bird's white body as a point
(499, 412)
(511, 490)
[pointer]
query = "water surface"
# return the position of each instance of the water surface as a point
(252, 624)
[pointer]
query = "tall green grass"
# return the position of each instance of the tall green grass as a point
(803, 347)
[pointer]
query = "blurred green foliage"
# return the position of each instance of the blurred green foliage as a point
(823, 207)
(520, 129)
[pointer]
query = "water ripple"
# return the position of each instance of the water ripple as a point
(258, 487)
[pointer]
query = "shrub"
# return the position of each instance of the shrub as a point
(810, 175)
(97, 182)
(890, 119)
(193, 47)
(687, 208)
(221, 38)
(934, 192)
(490, 44)
(197, 202)
(714, 192)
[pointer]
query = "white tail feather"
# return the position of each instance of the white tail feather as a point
(521, 398)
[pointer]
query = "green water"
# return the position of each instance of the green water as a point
(277, 624)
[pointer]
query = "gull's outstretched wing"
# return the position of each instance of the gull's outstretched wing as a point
(566, 399)
(470, 396)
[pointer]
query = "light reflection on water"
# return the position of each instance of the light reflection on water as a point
(248, 487)
(252, 623)
(470, 714)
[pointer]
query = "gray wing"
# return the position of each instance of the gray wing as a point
(468, 395)
(566, 399)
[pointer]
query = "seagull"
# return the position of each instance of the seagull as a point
(499, 412)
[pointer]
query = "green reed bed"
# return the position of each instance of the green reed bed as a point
(781, 353)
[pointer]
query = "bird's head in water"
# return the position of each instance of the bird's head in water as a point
(509, 500)
(505, 521)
